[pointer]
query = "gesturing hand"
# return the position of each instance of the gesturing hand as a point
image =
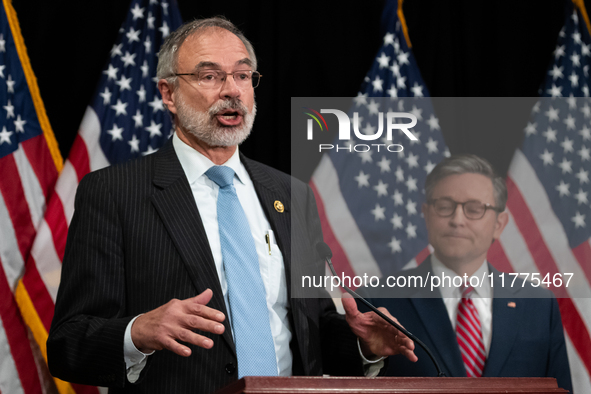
(162, 327)
(376, 336)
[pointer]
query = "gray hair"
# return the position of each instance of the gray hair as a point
(464, 164)
(168, 55)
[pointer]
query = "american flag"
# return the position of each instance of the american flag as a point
(125, 120)
(549, 203)
(29, 165)
(370, 203)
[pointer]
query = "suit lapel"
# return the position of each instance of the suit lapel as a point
(267, 193)
(505, 324)
(174, 202)
(435, 319)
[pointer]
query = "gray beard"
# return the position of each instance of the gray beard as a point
(204, 125)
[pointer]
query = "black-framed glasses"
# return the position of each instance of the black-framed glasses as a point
(446, 207)
(214, 79)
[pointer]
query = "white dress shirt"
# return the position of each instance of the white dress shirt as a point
(205, 192)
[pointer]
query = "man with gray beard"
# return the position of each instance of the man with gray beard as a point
(176, 267)
(204, 127)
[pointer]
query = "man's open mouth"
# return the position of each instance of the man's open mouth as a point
(229, 117)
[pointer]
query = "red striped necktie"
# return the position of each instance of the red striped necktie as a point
(469, 335)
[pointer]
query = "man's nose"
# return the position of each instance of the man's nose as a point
(229, 88)
(458, 217)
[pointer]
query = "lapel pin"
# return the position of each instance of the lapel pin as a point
(511, 304)
(279, 206)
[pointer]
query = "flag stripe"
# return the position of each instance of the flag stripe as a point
(38, 293)
(533, 238)
(17, 338)
(514, 255)
(48, 262)
(90, 131)
(497, 254)
(419, 259)
(13, 194)
(9, 382)
(83, 389)
(341, 261)
(56, 221)
(12, 260)
(423, 254)
(79, 157)
(411, 264)
(583, 255)
(578, 372)
(31, 187)
(576, 330)
(40, 161)
(67, 182)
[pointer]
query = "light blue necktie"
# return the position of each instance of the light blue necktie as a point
(246, 292)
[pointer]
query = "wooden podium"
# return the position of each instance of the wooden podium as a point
(351, 385)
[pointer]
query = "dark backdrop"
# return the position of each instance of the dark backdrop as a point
(313, 48)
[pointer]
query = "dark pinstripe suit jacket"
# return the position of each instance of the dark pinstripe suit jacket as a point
(137, 241)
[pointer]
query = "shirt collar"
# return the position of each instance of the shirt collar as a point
(196, 164)
(483, 291)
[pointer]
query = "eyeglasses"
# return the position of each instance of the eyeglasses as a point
(474, 210)
(214, 79)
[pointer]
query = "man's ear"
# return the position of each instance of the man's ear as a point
(167, 93)
(502, 220)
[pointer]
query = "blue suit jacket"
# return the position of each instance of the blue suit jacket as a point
(527, 340)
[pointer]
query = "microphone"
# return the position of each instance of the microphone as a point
(325, 252)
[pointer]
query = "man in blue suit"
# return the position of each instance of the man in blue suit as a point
(489, 330)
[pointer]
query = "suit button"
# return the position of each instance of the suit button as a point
(230, 368)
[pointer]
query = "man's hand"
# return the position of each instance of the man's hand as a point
(176, 320)
(376, 336)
